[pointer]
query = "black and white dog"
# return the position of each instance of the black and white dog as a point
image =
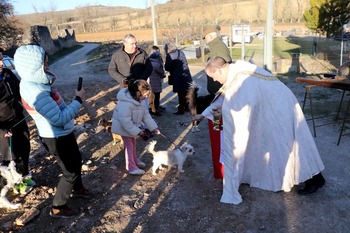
(197, 104)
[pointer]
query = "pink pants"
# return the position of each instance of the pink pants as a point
(130, 153)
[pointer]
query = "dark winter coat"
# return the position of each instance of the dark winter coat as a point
(11, 111)
(176, 64)
(122, 67)
(157, 75)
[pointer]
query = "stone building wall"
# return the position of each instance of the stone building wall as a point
(41, 35)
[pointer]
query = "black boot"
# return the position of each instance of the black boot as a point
(312, 185)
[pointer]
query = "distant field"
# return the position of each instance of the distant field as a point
(141, 35)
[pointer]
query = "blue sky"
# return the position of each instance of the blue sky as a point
(26, 6)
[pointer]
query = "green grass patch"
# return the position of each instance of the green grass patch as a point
(58, 55)
(285, 47)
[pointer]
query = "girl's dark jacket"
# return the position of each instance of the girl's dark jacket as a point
(11, 111)
(176, 64)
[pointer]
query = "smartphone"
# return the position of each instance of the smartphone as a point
(80, 83)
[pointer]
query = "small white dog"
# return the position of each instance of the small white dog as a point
(170, 158)
(12, 177)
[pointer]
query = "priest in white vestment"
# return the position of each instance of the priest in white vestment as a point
(267, 142)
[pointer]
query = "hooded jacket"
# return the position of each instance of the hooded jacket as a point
(129, 114)
(52, 116)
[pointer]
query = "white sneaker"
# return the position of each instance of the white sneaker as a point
(137, 172)
(141, 164)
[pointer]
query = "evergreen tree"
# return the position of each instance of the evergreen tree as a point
(312, 15)
(333, 15)
(327, 16)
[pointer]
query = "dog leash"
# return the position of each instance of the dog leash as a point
(19, 122)
(11, 133)
(168, 140)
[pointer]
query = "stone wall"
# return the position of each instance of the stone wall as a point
(41, 35)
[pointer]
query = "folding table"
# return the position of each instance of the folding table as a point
(335, 83)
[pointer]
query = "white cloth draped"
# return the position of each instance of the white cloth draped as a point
(267, 142)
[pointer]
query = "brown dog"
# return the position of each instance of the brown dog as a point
(108, 126)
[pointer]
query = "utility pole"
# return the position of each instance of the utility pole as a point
(342, 41)
(268, 40)
(154, 28)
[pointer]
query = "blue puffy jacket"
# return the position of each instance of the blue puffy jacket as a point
(52, 116)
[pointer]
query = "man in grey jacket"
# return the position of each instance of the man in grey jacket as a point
(129, 61)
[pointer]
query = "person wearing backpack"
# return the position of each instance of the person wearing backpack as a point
(176, 64)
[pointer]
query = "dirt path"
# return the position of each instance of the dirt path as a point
(69, 68)
(166, 202)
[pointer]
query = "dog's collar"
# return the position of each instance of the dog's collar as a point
(179, 148)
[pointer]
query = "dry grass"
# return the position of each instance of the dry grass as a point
(187, 15)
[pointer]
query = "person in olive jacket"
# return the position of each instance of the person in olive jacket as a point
(217, 48)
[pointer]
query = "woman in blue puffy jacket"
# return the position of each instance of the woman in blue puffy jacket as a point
(55, 122)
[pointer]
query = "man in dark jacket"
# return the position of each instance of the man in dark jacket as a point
(129, 62)
(14, 133)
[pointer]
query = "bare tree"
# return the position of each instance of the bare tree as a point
(37, 14)
(277, 10)
(94, 22)
(129, 20)
(169, 10)
(52, 16)
(9, 35)
(284, 7)
(114, 23)
(84, 15)
(234, 11)
(139, 18)
(189, 13)
(41, 17)
(258, 10)
(300, 9)
(218, 10)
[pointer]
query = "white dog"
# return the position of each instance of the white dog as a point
(170, 158)
(12, 177)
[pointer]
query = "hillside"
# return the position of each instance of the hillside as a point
(181, 17)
